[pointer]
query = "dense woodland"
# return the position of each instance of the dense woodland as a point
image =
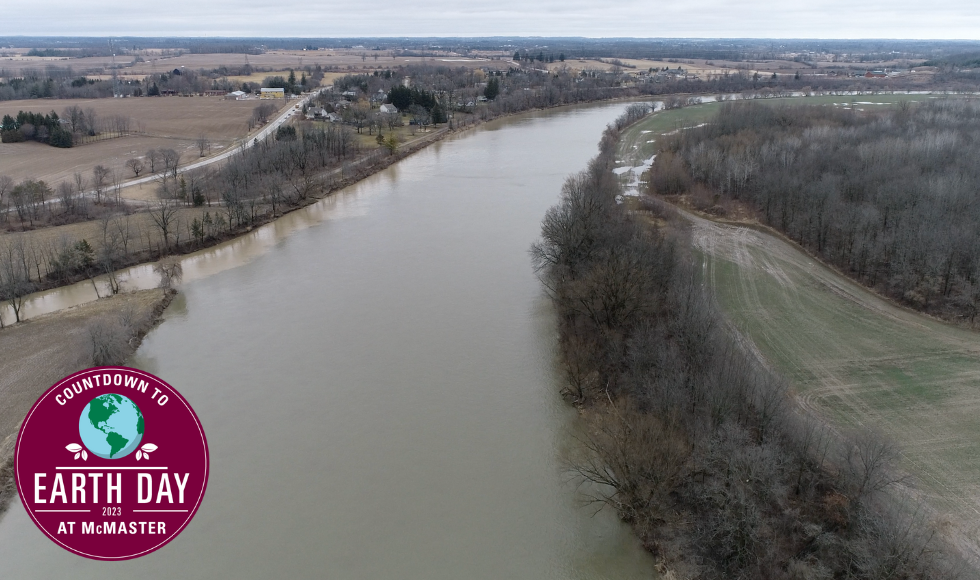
(887, 196)
(689, 437)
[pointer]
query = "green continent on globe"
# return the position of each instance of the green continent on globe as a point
(100, 410)
(101, 413)
(116, 441)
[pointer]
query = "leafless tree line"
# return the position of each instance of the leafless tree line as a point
(33, 203)
(87, 122)
(28, 264)
(887, 196)
(689, 437)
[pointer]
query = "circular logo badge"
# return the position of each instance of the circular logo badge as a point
(111, 463)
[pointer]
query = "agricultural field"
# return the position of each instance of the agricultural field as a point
(857, 360)
(708, 69)
(276, 60)
(53, 346)
(637, 143)
(852, 357)
(164, 122)
(258, 77)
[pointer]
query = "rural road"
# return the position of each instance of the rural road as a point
(269, 129)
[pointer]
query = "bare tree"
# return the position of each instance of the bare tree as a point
(6, 185)
(135, 165)
(203, 144)
(92, 123)
(171, 160)
(68, 197)
(75, 118)
(80, 183)
(15, 275)
(164, 216)
(110, 252)
(153, 156)
(171, 272)
(100, 181)
(109, 340)
(868, 466)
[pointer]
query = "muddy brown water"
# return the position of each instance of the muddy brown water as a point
(376, 377)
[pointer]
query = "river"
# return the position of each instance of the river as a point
(376, 377)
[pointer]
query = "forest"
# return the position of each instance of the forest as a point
(690, 438)
(887, 196)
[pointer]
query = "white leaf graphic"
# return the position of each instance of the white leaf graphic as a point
(84, 455)
(149, 448)
(76, 455)
(146, 455)
(139, 455)
(73, 447)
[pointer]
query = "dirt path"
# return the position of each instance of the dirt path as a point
(858, 360)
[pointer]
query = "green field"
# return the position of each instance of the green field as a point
(635, 141)
(852, 357)
(856, 359)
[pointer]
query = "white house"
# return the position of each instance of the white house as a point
(237, 95)
(389, 109)
(316, 113)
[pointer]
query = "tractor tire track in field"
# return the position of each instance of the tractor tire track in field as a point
(857, 360)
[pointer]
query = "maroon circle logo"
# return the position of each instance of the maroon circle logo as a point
(111, 463)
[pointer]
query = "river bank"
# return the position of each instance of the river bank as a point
(334, 180)
(376, 378)
(150, 250)
(43, 350)
(691, 438)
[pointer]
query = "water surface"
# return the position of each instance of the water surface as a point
(376, 378)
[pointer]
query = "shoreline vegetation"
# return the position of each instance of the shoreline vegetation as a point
(690, 437)
(201, 209)
(843, 517)
(104, 332)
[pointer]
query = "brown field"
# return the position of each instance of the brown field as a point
(45, 350)
(707, 69)
(49, 347)
(258, 77)
(167, 122)
(272, 60)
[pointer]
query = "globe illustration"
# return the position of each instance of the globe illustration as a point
(111, 426)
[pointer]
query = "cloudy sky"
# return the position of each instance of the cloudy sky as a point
(940, 19)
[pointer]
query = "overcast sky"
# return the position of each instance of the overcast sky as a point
(940, 19)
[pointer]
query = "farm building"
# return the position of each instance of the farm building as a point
(237, 95)
(389, 109)
(272, 94)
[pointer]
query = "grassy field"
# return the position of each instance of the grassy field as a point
(852, 357)
(637, 142)
(166, 122)
(858, 360)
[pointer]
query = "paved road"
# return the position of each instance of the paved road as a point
(294, 108)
